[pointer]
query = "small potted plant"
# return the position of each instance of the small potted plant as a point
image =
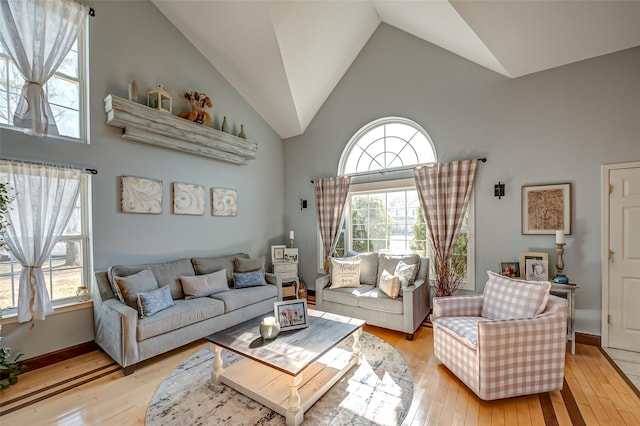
(9, 368)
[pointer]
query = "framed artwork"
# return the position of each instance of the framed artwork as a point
(188, 199)
(140, 195)
(546, 208)
(534, 266)
(291, 314)
(291, 255)
(510, 269)
(277, 253)
(224, 202)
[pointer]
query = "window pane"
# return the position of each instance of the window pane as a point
(63, 93)
(4, 108)
(67, 120)
(66, 254)
(65, 282)
(16, 80)
(69, 66)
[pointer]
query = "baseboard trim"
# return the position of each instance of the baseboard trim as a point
(588, 339)
(61, 355)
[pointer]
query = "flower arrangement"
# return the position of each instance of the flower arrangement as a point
(198, 102)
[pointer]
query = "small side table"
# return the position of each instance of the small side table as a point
(567, 291)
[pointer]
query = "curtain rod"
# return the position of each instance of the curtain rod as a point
(92, 171)
(381, 172)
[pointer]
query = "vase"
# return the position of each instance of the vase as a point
(224, 124)
(270, 328)
(241, 134)
(133, 91)
(82, 294)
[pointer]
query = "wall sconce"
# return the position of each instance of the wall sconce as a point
(498, 190)
(303, 204)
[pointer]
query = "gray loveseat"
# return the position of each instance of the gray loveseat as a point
(129, 339)
(404, 313)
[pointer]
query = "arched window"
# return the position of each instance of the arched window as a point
(385, 215)
(388, 144)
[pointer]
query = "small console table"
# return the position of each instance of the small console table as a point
(567, 291)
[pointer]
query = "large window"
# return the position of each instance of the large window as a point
(68, 266)
(65, 91)
(385, 215)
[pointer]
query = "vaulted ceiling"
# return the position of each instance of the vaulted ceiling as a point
(286, 57)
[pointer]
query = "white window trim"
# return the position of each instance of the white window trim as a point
(405, 184)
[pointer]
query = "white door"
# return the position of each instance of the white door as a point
(624, 264)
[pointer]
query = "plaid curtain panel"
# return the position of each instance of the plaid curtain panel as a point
(444, 190)
(331, 194)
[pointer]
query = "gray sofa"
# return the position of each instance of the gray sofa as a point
(404, 313)
(129, 339)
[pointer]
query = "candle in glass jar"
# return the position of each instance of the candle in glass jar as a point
(560, 236)
(291, 235)
(269, 321)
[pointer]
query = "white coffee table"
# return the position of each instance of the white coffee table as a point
(290, 373)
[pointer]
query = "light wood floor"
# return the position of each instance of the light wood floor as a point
(98, 394)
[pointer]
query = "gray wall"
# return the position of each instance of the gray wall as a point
(133, 40)
(555, 126)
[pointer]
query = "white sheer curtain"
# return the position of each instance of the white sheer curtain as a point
(38, 34)
(45, 198)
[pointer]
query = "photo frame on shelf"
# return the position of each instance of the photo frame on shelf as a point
(534, 266)
(277, 253)
(546, 208)
(292, 314)
(510, 269)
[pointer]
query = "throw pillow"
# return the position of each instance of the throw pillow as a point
(508, 298)
(129, 286)
(345, 273)
(368, 268)
(389, 284)
(389, 262)
(404, 272)
(249, 265)
(249, 279)
(154, 301)
(204, 285)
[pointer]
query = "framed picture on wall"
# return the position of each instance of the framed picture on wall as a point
(546, 209)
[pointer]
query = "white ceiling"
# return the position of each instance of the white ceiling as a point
(286, 57)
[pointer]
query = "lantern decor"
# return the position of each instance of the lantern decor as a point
(159, 99)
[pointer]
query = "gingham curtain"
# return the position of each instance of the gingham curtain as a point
(331, 194)
(444, 190)
(37, 35)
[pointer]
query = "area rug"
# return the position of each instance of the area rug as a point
(376, 392)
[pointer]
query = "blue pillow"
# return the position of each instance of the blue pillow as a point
(154, 301)
(249, 279)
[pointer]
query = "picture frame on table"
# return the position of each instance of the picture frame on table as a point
(291, 314)
(277, 253)
(510, 269)
(546, 208)
(534, 266)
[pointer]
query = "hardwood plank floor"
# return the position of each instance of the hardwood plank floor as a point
(91, 390)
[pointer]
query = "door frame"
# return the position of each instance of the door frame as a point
(605, 170)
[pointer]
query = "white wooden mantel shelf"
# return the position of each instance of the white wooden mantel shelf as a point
(143, 124)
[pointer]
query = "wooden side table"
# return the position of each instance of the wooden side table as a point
(567, 291)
